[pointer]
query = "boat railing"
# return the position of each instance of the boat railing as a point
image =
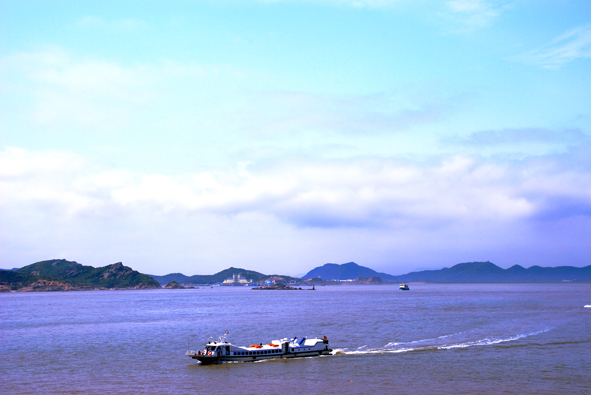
(201, 353)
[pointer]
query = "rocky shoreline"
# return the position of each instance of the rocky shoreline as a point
(58, 286)
(278, 287)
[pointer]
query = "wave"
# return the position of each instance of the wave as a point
(588, 306)
(490, 342)
(388, 348)
(394, 344)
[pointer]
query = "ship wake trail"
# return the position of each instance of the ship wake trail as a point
(446, 342)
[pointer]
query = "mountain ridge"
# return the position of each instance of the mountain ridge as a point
(466, 272)
(345, 271)
(488, 272)
(64, 275)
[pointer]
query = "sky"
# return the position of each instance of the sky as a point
(276, 136)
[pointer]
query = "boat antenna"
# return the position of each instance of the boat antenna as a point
(223, 337)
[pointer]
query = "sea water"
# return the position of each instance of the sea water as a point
(451, 339)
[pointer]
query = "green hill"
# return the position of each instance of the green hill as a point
(65, 274)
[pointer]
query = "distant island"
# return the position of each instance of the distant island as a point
(469, 272)
(63, 275)
(487, 272)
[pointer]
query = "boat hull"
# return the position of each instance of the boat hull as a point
(208, 360)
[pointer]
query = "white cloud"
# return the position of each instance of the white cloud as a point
(468, 15)
(361, 193)
(95, 94)
(515, 137)
(373, 211)
(100, 96)
(570, 46)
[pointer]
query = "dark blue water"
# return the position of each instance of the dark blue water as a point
(432, 339)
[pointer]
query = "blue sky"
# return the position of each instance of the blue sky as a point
(190, 136)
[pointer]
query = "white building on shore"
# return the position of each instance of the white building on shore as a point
(237, 280)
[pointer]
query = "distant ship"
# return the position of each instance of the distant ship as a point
(223, 351)
(404, 287)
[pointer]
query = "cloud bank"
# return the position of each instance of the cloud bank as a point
(325, 198)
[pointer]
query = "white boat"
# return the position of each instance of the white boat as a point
(223, 351)
(404, 287)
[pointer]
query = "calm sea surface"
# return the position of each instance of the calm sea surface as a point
(453, 339)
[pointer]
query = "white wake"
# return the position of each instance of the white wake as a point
(433, 344)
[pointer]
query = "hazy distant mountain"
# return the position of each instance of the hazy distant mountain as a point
(469, 272)
(60, 274)
(346, 271)
(487, 272)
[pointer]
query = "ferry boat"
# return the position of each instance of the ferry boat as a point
(223, 351)
(403, 287)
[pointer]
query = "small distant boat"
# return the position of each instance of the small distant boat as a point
(223, 351)
(404, 287)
